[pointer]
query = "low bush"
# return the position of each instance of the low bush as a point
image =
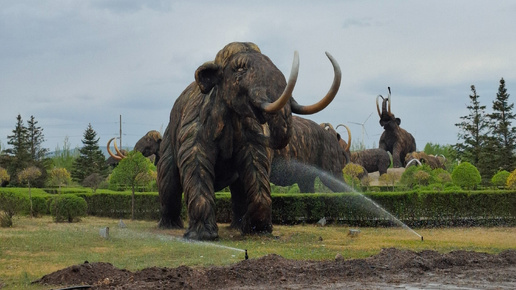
(466, 175)
(11, 203)
(68, 207)
(500, 178)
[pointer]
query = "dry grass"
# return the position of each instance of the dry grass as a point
(35, 247)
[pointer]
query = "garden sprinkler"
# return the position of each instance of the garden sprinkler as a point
(421, 238)
(246, 256)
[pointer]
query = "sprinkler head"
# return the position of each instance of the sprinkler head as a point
(421, 238)
(246, 256)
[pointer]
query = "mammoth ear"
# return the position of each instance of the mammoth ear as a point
(207, 76)
(398, 121)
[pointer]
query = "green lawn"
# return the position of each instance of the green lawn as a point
(38, 246)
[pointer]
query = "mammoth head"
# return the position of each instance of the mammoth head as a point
(386, 116)
(149, 144)
(252, 87)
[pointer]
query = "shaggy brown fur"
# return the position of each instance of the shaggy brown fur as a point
(312, 152)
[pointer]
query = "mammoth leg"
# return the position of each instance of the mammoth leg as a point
(254, 164)
(198, 184)
(170, 191)
(396, 158)
(239, 203)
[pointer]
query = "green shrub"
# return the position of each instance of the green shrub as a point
(411, 177)
(11, 203)
(466, 175)
(68, 207)
(500, 178)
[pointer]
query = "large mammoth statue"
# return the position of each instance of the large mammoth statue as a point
(222, 132)
(394, 139)
(148, 145)
(312, 152)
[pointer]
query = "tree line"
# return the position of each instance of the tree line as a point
(487, 140)
(26, 162)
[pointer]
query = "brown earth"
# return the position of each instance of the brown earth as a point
(390, 269)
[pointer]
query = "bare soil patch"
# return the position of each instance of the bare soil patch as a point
(390, 269)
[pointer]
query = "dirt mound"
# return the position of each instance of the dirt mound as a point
(391, 268)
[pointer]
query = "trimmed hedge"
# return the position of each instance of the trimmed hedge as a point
(414, 208)
(456, 208)
(67, 207)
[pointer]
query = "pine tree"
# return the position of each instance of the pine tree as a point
(35, 140)
(18, 156)
(91, 159)
(503, 133)
(19, 141)
(472, 131)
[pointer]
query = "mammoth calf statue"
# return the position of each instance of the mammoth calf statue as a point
(370, 159)
(394, 139)
(222, 132)
(312, 152)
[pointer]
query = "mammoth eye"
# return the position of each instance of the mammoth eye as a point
(240, 69)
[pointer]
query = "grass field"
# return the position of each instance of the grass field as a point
(38, 246)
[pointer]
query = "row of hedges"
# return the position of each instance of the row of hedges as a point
(382, 208)
(482, 208)
(63, 207)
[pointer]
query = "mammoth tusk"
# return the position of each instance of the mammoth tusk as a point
(117, 150)
(378, 106)
(417, 161)
(287, 92)
(389, 99)
(111, 153)
(324, 102)
(349, 135)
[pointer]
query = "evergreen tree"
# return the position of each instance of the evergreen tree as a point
(472, 131)
(35, 140)
(18, 156)
(91, 159)
(19, 142)
(503, 134)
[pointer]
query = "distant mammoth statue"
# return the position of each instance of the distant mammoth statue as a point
(422, 158)
(311, 152)
(394, 139)
(148, 145)
(222, 131)
(370, 159)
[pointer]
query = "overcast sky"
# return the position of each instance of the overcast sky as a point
(70, 63)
